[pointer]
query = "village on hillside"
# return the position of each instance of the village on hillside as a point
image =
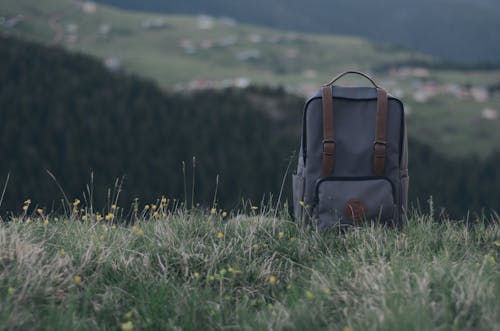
(415, 82)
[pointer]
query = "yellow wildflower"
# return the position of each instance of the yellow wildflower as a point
(196, 275)
(490, 259)
(230, 269)
(254, 208)
(62, 251)
(213, 211)
(327, 291)
(163, 200)
(272, 279)
(309, 295)
(129, 314)
(77, 279)
(11, 291)
(346, 328)
(211, 278)
(153, 207)
(27, 202)
(39, 211)
(99, 217)
(46, 222)
(127, 326)
(84, 217)
(113, 206)
(102, 238)
(281, 234)
(302, 203)
(25, 207)
(76, 202)
(155, 214)
(224, 213)
(146, 207)
(220, 235)
(109, 216)
(497, 243)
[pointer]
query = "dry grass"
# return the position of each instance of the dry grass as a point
(176, 271)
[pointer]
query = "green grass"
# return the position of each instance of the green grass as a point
(158, 55)
(452, 125)
(194, 270)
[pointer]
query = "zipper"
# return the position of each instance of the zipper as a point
(347, 179)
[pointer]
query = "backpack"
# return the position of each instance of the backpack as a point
(353, 161)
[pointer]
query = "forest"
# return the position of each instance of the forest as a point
(64, 113)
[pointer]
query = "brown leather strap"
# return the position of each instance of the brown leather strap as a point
(380, 144)
(328, 133)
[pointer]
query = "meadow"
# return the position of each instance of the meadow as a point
(177, 53)
(163, 267)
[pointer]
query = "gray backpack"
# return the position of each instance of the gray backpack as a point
(353, 161)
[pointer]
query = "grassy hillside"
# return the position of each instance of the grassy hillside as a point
(65, 113)
(196, 270)
(274, 56)
(177, 54)
(465, 30)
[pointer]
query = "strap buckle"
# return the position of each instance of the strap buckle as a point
(379, 152)
(326, 150)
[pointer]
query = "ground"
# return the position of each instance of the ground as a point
(180, 269)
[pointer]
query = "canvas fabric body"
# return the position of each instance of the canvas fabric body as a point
(355, 124)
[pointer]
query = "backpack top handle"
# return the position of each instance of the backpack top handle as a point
(355, 73)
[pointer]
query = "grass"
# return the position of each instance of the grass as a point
(196, 270)
(454, 126)
(157, 53)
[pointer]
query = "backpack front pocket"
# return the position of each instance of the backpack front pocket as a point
(344, 201)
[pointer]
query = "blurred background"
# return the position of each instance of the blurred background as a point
(125, 91)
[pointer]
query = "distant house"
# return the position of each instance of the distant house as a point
(89, 7)
(205, 22)
(249, 54)
(489, 114)
(227, 41)
(113, 63)
(228, 21)
(255, 38)
(153, 23)
(104, 28)
(479, 94)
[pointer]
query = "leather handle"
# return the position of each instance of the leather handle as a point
(355, 73)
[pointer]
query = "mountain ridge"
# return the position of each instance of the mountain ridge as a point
(464, 30)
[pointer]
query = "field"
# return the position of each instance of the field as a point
(255, 270)
(186, 52)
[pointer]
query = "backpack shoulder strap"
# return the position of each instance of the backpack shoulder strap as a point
(328, 161)
(380, 144)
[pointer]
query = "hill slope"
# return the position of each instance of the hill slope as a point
(179, 49)
(65, 113)
(189, 53)
(194, 271)
(464, 30)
